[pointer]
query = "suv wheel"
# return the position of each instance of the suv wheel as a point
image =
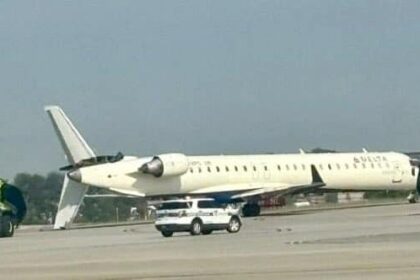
(195, 227)
(167, 233)
(6, 226)
(234, 225)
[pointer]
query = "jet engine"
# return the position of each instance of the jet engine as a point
(166, 165)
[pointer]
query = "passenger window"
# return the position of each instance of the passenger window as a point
(227, 169)
(303, 167)
(217, 168)
(208, 204)
(278, 167)
(338, 166)
(379, 165)
(347, 166)
(191, 170)
(265, 168)
(363, 165)
(355, 166)
(199, 170)
(287, 167)
(373, 166)
(236, 168)
(329, 166)
(245, 169)
(209, 169)
(294, 166)
(255, 169)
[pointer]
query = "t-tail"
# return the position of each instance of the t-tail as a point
(75, 149)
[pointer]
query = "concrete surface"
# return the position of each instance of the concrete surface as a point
(363, 243)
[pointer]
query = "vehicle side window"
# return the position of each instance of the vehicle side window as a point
(208, 204)
(174, 205)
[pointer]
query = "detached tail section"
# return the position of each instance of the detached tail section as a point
(75, 149)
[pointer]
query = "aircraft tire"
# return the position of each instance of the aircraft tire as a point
(167, 233)
(207, 232)
(251, 210)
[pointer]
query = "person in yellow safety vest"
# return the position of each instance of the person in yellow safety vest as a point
(2, 183)
(3, 205)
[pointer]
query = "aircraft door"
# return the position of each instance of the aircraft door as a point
(397, 174)
(266, 171)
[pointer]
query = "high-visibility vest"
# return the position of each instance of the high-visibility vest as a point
(2, 184)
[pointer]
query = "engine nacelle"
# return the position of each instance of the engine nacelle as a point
(166, 165)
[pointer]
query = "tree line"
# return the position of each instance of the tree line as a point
(42, 195)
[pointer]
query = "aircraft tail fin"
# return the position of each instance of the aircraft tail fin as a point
(76, 149)
(74, 146)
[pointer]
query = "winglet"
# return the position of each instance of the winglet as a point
(316, 178)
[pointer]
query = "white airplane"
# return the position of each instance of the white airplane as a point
(230, 178)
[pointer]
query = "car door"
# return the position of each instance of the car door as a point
(206, 211)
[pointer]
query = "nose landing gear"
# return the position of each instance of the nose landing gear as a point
(412, 197)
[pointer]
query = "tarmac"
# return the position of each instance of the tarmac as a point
(380, 242)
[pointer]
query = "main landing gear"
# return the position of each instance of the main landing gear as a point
(412, 197)
(251, 210)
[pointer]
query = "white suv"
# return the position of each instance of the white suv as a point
(197, 216)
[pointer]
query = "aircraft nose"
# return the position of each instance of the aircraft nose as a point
(75, 175)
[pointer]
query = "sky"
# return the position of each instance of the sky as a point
(208, 77)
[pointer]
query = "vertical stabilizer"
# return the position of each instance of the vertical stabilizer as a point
(74, 146)
(76, 149)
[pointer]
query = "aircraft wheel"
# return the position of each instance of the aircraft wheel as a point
(167, 233)
(412, 198)
(251, 210)
(207, 232)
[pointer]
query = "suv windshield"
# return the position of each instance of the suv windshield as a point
(174, 205)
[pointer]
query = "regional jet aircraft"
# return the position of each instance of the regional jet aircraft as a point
(243, 178)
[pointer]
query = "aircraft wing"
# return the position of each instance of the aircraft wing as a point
(258, 189)
(281, 190)
(316, 183)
